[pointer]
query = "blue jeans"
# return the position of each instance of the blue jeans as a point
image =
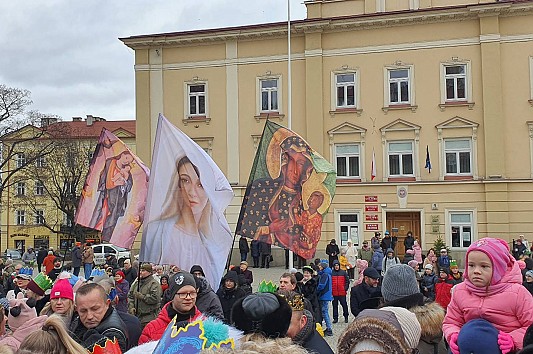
(324, 308)
(244, 255)
(87, 269)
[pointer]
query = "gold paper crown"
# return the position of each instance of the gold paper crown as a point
(297, 303)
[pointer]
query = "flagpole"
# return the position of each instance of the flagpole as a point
(289, 91)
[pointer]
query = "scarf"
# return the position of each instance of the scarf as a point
(301, 337)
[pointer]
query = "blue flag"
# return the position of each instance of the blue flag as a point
(428, 160)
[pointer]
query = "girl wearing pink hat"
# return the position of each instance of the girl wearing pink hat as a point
(492, 290)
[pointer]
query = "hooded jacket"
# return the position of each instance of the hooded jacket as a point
(13, 341)
(228, 297)
(443, 290)
(377, 259)
(430, 317)
(324, 291)
(339, 281)
(207, 301)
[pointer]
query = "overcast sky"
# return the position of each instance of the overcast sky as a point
(67, 52)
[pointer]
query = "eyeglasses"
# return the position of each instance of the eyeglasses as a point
(184, 295)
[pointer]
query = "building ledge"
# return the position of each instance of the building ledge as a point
(348, 180)
(445, 105)
(458, 178)
(399, 107)
(346, 111)
(196, 119)
(401, 179)
(269, 115)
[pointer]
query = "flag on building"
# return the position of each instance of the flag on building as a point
(288, 194)
(428, 160)
(187, 196)
(373, 170)
(114, 193)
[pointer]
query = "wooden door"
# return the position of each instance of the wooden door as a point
(399, 223)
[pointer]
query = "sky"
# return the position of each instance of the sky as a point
(67, 52)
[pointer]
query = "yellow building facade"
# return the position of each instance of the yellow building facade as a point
(398, 80)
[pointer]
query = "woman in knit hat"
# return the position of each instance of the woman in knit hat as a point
(61, 301)
(123, 287)
(528, 283)
(492, 290)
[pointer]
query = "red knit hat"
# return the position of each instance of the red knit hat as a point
(62, 289)
(498, 252)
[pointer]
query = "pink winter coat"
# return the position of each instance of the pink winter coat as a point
(418, 253)
(13, 340)
(507, 305)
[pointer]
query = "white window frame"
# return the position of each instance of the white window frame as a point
(457, 152)
(270, 92)
(21, 189)
(39, 188)
(400, 154)
(461, 225)
(39, 217)
(356, 224)
(468, 81)
(258, 103)
(40, 161)
(187, 93)
(347, 163)
(21, 159)
(411, 85)
(335, 85)
(20, 217)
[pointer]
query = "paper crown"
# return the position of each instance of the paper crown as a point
(26, 271)
(453, 264)
(265, 287)
(297, 303)
(43, 281)
(97, 272)
(109, 347)
(193, 338)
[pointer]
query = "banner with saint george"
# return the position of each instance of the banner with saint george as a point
(288, 194)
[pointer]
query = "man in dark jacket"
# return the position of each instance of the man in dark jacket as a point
(41, 255)
(255, 252)
(96, 320)
(308, 287)
(76, 259)
(332, 250)
(409, 241)
(130, 273)
(207, 301)
(362, 294)
(386, 243)
(243, 248)
(266, 251)
(229, 293)
(340, 282)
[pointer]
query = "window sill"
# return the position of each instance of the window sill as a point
(196, 119)
(449, 104)
(346, 111)
(458, 178)
(348, 180)
(398, 107)
(401, 179)
(269, 115)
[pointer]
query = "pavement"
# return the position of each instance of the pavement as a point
(273, 273)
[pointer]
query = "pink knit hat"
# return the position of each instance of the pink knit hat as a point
(62, 289)
(498, 252)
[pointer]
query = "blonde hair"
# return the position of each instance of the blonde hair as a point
(47, 310)
(52, 338)
(4, 349)
(257, 344)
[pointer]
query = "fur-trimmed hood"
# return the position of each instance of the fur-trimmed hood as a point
(430, 316)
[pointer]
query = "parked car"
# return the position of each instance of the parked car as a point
(12, 254)
(102, 249)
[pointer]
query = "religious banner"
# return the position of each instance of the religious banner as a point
(114, 193)
(187, 196)
(288, 194)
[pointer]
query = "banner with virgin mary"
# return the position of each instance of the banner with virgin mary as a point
(288, 194)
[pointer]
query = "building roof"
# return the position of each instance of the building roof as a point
(80, 129)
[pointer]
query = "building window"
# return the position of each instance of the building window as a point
(462, 229)
(21, 160)
(269, 95)
(39, 188)
(399, 86)
(347, 158)
(21, 188)
(197, 94)
(345, 90)
(349, 228)
(401, 158)
(458, 157)
(40, 161)
(20, 217)
(455, 81)
(39, 217)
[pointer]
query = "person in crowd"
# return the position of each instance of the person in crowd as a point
(389, 260)
(362, 264)
(351, 255)
(431, 258)
(144, 297)
(340, 282)
(87, 259)
(8, 276)
(197, 271)
(386, 242)
(287, 281)
(309, 292)
(123, 288)
(414, 264)
(246, 278)
(389, 330)
(409, 241)
(243, 248)
(207, 300)
(519, 249)
(183, 293)
(377, 258)
(130, 273)
(229, 293)
(332, 250)
(302, 329)
(54, 273)
(76, 255)
(455, 273)
(41, 255)
(51, 338)
(265, 249)
(417, 253)
(528, 283)
(29, 257)
(365, 253)
(158, 273)
(427, 284)
(111, 261)
(96, 320)
(61, 301)
(164, 284)
(367, 294)
(409, 256)
(48, 262)
(20, 283)
(401, 289)
(256, 254)
(443, 288)
(324, 293)
(443, 261)
(36, 289)
(343, 261)
(492, 289)
(375, 240)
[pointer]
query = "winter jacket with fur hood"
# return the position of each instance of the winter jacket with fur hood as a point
(13, 341)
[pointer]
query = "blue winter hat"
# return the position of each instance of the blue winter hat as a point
(386, 232)
(324, 263)
(478, 337)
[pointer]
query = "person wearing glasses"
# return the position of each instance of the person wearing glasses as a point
(183, 292)
(144, 296)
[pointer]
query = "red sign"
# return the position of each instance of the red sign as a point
(371, 227)
(371, 217)
(371, 208)
(371, 198)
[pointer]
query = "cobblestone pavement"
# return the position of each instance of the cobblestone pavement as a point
(274, 273)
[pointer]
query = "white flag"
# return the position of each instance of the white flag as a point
(373, 172)
(187, 196)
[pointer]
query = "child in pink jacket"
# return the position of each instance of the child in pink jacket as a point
(492, 290)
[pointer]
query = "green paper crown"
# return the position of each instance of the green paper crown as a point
(43, 281)
(453, 263)
(265, 287)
